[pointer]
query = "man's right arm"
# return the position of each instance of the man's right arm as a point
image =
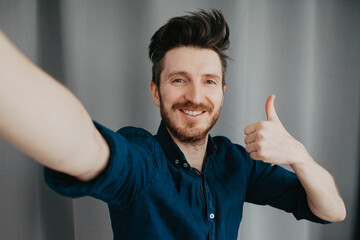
(45, 120)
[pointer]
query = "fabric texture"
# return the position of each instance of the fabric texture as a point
(153, 192)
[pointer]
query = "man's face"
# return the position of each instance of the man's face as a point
(190, 95)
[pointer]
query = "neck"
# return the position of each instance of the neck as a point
(194, 152)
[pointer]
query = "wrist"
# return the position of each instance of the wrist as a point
(301, 157)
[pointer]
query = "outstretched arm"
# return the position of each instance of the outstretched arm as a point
(268, 141)
(45, 120)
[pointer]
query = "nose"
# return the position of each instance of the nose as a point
(193, 93)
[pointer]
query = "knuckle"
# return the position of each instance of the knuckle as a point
(262, 124)
(261, 144)
(260, 154)
(260, 135)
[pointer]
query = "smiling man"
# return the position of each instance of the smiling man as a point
(191, 93)
(190, 97)
(181, 183)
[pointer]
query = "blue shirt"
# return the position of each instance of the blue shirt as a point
(153, 192)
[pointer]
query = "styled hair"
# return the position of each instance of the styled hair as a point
(207, 30)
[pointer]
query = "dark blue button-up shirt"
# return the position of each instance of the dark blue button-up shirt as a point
(153, 192)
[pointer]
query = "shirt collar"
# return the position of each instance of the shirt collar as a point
(170, 147)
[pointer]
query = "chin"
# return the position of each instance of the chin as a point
(192, 131)
(190, 135)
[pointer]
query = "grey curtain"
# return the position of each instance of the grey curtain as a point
(306, 52)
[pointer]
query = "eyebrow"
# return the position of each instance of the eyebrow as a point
(183, 73)
(178, 73)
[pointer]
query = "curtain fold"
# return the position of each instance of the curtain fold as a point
(306, 52)
(53, 209)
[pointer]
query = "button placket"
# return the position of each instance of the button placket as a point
(210, 209)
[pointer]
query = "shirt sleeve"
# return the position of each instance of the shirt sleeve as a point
(131, 169)
(278, 187)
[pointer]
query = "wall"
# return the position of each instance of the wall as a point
(306, 52)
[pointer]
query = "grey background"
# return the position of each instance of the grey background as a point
(306, 52)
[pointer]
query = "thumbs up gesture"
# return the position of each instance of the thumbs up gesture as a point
(268, 141)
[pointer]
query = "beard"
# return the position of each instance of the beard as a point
(188, 134)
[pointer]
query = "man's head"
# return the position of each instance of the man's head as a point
(188, 73)
(199, 29)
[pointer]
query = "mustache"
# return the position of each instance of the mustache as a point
(193, 107)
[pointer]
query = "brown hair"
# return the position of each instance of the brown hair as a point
(199, 29)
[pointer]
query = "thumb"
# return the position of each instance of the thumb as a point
(270, 109)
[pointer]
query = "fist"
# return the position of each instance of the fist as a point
(268, 141)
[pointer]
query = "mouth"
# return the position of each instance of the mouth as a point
(191, 112)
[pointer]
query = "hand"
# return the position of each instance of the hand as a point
(269, 141)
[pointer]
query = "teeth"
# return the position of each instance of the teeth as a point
(192, 113)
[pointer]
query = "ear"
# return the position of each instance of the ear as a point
(155, 93)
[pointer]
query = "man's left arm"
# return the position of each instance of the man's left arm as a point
(268, 141)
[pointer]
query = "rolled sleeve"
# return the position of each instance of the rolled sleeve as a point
(280, 188)
(131, 168)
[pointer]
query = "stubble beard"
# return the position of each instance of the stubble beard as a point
(188, 134)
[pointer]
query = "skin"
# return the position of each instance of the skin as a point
(45, 120)
(191, 78)
(75, 147)
(266, 141)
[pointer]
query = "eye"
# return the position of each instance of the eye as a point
(178, 80)
(210, 82)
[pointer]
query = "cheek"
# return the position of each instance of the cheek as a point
(216, 98)
(166, 101)
(170, 97)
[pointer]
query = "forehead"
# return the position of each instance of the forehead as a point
(195, 61)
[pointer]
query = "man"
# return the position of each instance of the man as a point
(180, 183)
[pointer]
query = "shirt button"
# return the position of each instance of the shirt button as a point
(185, 165)
(212, 216)
(177, 161)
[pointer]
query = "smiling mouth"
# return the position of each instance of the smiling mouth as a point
(191, 113)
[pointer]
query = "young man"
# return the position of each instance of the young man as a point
(180, 183)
